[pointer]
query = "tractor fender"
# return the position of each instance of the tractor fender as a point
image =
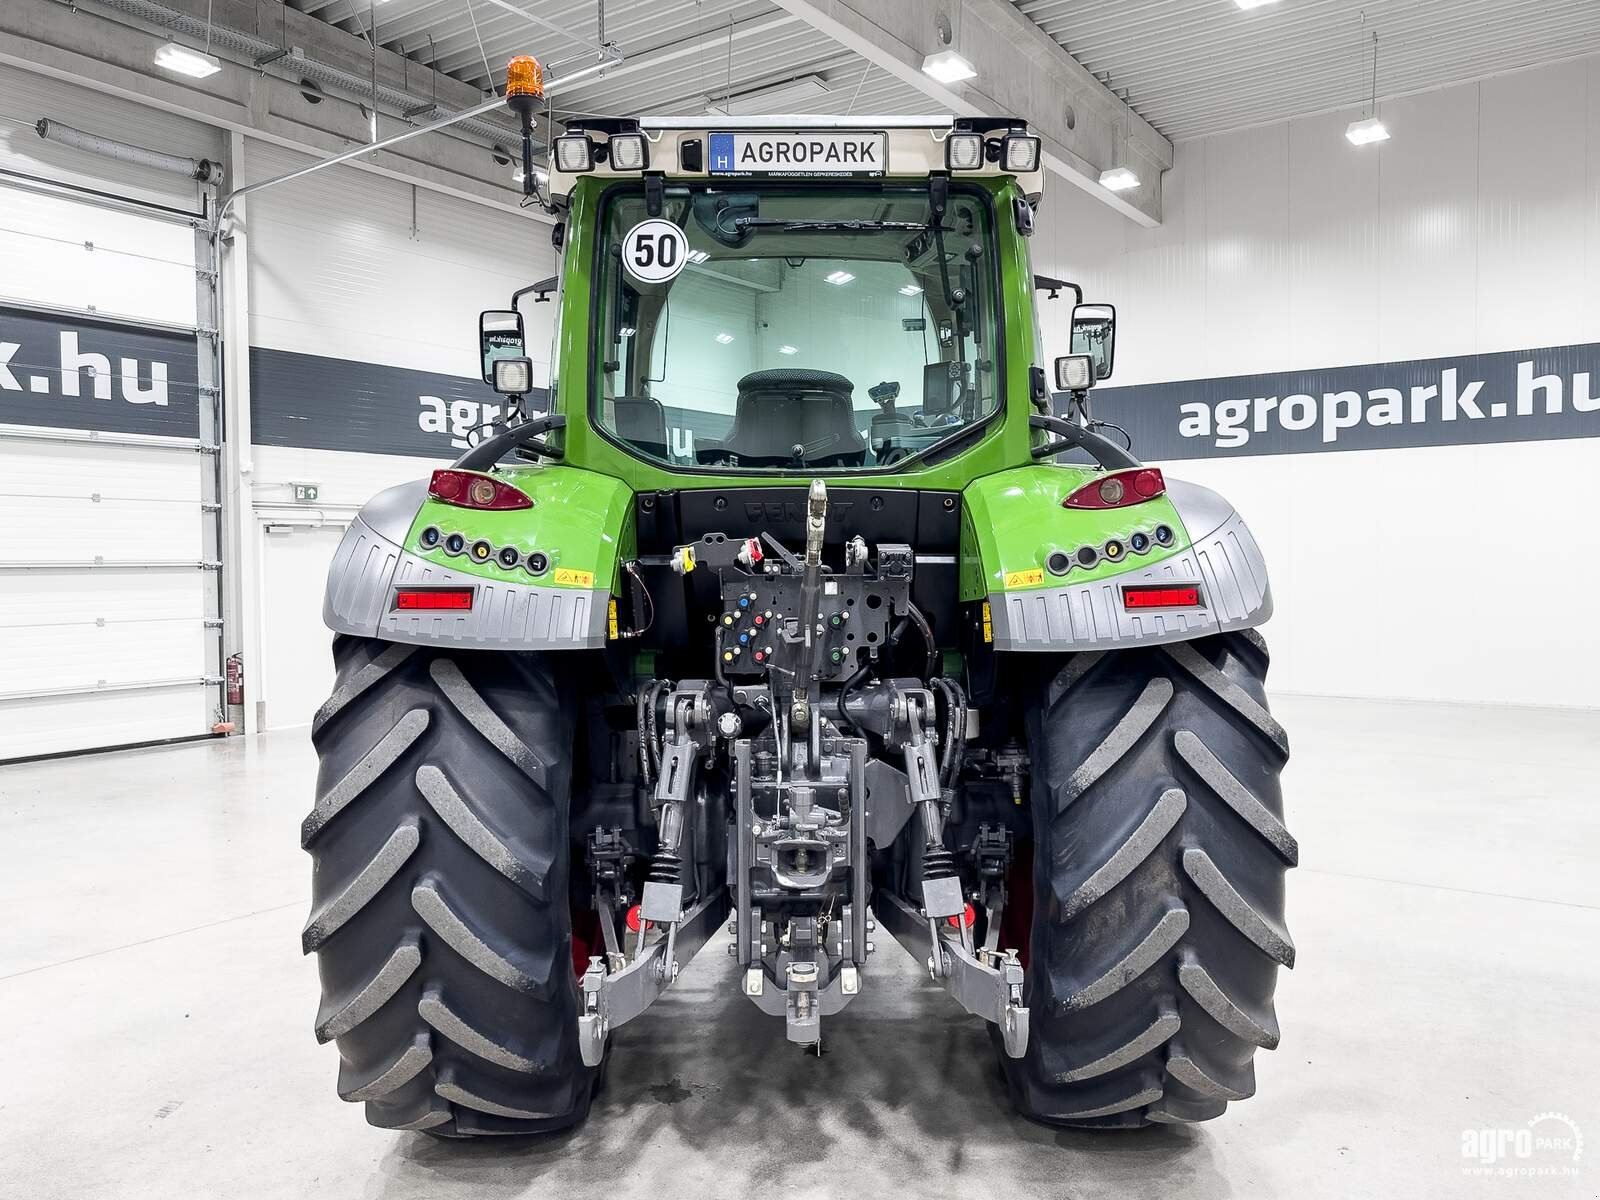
(1214, 549)
(577, 524)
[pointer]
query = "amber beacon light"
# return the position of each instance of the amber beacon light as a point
(524, 77)
(524, 91)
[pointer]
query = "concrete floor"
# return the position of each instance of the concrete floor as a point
(157, 1013)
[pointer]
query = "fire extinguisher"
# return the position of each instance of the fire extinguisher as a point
(235, 678)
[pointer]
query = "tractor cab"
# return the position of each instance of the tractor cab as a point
(794, 294)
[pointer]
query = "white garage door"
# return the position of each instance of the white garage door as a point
(110, 629)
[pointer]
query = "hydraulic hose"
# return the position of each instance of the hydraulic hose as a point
(921, 622)
(850, 685)
(642, 729)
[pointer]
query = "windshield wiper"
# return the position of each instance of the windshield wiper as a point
(819, 224)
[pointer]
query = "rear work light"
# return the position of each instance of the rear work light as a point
(574, 153)
(1186, 595)
(627, 152)
(433, 600)
(469, 489)
(1021, 152)
(1119, 489)
(963, 152)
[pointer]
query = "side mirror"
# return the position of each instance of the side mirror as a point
(1074, 373)
(499, 336)
(1094, 332)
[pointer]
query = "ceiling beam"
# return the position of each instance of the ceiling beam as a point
(1022, 72)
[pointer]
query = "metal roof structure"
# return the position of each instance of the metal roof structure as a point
(1198, 67)
(1190, 67)
(677, 60)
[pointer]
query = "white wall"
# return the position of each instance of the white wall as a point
(337, 268)
(1421, 573)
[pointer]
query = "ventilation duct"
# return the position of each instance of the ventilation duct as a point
(202, 169)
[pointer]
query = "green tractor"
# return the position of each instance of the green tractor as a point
(797, 610)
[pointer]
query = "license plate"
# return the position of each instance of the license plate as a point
(793, 154)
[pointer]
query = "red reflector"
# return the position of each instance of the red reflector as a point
(969, 916)
(1118, 489)
(1186, 596)
(634, 919)
(472, 489)
(1149, 483)
(415, 599)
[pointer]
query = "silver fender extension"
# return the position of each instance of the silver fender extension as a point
(984, 991)
(371, 562)
(1223, 560)
(610, 1000)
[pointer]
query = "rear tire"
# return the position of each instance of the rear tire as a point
(1158, 884)
(439, 912)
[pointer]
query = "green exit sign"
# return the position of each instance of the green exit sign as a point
(305, 492)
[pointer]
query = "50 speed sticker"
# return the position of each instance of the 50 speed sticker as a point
(654, 251)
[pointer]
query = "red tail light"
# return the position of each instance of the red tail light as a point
(433, 599)
(1119, 489)
(1182, 596)
(470, 489)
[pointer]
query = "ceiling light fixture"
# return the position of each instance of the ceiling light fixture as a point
(911, 289)
(1247, 5)
(788, 349)
(1369, 129)
(194, 63)
(1364, 133)
(698, 256)
(1118, 179)
(948, 67)
(839, 278)
(724, 338)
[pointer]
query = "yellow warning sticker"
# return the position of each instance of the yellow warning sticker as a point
(988, 624)
(571, 578)
(1016, 579)
(611, 619)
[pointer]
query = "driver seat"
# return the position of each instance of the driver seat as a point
(782, 408)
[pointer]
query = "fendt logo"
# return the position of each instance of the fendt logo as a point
(793, 511)
(77, 371)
